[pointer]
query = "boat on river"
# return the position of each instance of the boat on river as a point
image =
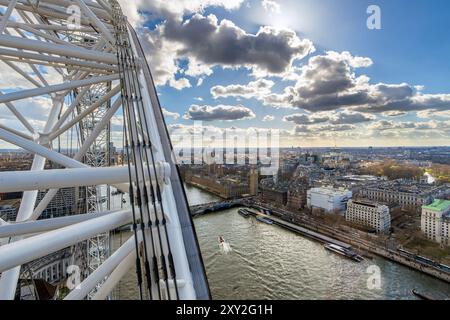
(245, 213)
(348, 253)
(264, 220)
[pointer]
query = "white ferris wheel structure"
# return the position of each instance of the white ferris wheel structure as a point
(90, 72)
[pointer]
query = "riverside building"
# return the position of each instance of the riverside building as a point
(435, 221)
(369, 214)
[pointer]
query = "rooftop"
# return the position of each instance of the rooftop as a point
(330, 190)
(365, 202)
(406, 186)
(438, 205)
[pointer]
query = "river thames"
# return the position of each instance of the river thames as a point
(268, 262)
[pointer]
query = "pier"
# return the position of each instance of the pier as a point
(307, 233)
(211, 207)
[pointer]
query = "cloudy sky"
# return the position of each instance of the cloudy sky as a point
(311, 69)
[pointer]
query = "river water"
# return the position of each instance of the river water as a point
(268, 262)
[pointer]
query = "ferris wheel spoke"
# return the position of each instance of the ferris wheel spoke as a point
(57, 49)
(55, 88)
(19, 117)
(25, 250)
(27, 228)
(16, 132)
(58, 129)
(104, 30)
(40, 150)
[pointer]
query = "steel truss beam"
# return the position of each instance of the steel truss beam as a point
(31, 227)
(55, 88)
(15, 181)
(23, 251)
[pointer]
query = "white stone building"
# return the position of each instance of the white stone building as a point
(407, 194)
(370, 214)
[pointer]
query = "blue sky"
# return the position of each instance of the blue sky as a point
(410, 50)
(412, 45)
(308, 68)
